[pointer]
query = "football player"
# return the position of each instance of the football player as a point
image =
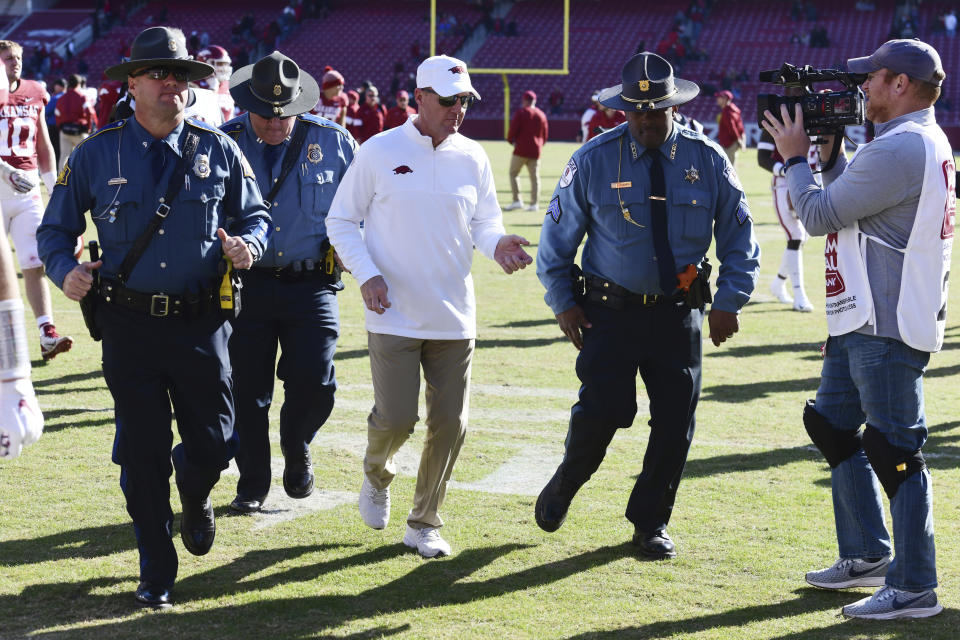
(24, 147)
(219, 82)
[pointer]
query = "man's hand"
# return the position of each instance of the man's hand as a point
(723, 324)
(79, 280)
(236, 249)
(374, 292)
(571, 321)
(510, 255)
(789, 135)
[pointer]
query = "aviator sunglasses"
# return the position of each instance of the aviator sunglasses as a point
(448, 101)
(160, 73)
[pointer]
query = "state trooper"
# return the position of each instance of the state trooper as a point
(290, 296)
(647, 195)
(162, 192)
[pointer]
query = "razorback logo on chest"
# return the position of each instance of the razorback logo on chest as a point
(402, 169)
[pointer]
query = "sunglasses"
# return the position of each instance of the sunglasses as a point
(448, 101)
(160, 73)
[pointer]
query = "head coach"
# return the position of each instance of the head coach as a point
(888, 215)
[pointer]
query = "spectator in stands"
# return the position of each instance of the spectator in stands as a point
(796, 10)
(556, 102)
(604, 119)
(950, 23)
(528, 134)
(818, 37)
(398, 114)
(56, 92)
(75, 117)
(370, 115)
(587, 116)
(730, 134)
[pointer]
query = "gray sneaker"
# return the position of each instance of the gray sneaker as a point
(889, 603)
(850, 572)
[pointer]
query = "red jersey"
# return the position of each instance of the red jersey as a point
(397, 115)
(110, 92)
(331, 108)
(19, 124)
(528, 132)
(600, 120)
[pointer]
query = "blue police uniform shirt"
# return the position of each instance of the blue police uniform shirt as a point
(299, 211)
(111, 174)
(703, 195)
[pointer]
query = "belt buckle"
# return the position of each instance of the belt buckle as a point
(650, 299)
(159, 305)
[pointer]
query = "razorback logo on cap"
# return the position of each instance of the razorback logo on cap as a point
(402, 169)
(457, 69)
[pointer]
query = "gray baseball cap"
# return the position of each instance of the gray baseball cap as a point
(915, 58)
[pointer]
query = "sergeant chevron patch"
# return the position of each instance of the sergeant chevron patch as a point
(554, 210)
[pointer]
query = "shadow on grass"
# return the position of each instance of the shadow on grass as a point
(807, 601)
(96, 374)
(746, 351)
(90, 542)
(755, 390)
(745, 462)
(519, 343)
(521, 324)
(58, 419)
(432, 584)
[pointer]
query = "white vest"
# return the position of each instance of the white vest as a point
(921, 310)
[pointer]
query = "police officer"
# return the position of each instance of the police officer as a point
(164, 334)
(290, 296)
(646, 195)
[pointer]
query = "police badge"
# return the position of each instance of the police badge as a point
(314, 154)
(201, 166)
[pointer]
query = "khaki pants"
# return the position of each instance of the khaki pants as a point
(731, 152)
(533, 166)
(395, 363)
(67, 143)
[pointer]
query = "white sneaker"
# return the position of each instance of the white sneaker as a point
(850, 572)
(889, 603)
(531, 207)
(802, 304)
(426, 541)
(513, 206)
(779, 290)
(374, 505)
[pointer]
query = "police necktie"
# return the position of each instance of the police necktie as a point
(271, 153)
(158, 160)
(658, 224)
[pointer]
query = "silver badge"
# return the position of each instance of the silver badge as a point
(172, 44)
(692, 174)
(314, 154)
(201, 166)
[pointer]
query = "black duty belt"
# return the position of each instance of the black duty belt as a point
(610, 294)
(300, 271)
(161, 305)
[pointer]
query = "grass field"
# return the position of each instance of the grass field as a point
(753, 512)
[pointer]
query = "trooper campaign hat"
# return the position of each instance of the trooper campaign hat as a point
(159, 46)
(648, 84)
(915, 58)
(274, 87)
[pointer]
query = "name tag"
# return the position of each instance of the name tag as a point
(621, 185)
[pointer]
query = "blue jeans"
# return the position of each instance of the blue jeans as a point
(879, 381)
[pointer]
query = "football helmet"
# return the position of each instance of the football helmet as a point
(218, 57)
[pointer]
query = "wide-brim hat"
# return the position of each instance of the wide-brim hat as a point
(648, 84)
(159, 46)
(274, 87)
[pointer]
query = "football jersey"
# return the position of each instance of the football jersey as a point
(19, 124)
(226, 101)
(330, 108)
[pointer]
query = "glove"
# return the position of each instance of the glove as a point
(21, 421)
(20, 181)
(50, 180)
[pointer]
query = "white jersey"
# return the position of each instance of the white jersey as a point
(205, 107)
(921, 309)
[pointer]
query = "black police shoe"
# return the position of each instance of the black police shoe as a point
(197, 525)
(153, 596)
(655, 546)
(554, 501)
(297, 473)
(242, 505)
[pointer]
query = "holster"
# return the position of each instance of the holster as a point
(230, 286)
(578, 283)
(88, 304)
(699, 293)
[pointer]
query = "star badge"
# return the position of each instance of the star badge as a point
(692, 174)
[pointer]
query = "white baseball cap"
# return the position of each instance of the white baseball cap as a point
(445, 75)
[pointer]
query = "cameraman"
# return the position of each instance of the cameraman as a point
(888, 215)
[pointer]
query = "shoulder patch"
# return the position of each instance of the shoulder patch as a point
(567, 176)
(233, 129)
(690, 133)
(64, 176)
(743, 212)
(554, 210)
(247, 169)
(731, 175)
